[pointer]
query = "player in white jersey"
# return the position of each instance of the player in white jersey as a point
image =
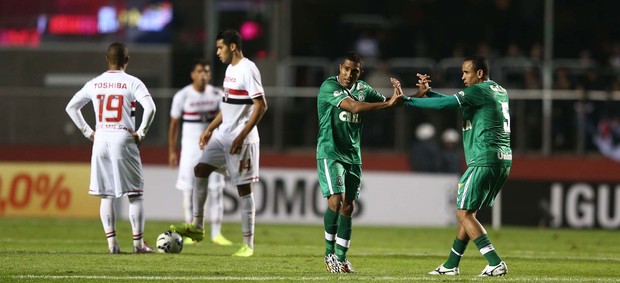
(116, 168)
(196, 105)
(231, 141)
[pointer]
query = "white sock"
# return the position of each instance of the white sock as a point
(215, 202)
(248, 211)
(187, 205)
(199, 199)
(108, 219)
(136, 217)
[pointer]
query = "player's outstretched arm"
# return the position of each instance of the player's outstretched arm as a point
(260, 107)
(354, 106)
(437, 103)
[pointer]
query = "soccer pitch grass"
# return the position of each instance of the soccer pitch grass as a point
(55, 250)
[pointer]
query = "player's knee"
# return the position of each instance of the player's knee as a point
(201, 170)
(334, 202)
(347, 208)
(244, 189)
(134, 198)
(464, 214)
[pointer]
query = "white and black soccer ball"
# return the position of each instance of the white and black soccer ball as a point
(169, 242)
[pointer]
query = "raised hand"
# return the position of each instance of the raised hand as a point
(396, 99)
(396, 84)
(423, 86)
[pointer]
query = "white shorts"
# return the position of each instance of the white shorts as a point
(190, 154)
(116, 169)
(242, 167)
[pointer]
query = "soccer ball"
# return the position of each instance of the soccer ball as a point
(169, 242)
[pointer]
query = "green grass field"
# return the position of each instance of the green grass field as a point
(54, 250)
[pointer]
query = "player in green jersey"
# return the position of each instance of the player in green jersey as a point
(486, 141)
(341, 99)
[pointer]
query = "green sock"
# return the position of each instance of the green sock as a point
(330, 221)
(458, 248)
(487, 250)
(344, 236)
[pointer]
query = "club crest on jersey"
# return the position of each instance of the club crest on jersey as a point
(361, 96)
(339, 181)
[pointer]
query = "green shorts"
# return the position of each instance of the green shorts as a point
(479, 186)
(336, 177)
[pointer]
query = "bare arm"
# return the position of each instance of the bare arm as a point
(206, 134)
(354, 106)
(173, 135)
(260, 107)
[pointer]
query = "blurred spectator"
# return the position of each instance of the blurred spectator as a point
(513, 51)
(425, 155)
(536, 53)
(531, 79)
(367, 45)
(451, 152)
(562, 129)
(592, 81)
(486, 50)
(614, 58)
(380, 77)
(585, 58)
(605, 139)
(615, 85)
(459, 50)
(563, 80)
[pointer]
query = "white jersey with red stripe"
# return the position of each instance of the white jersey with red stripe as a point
(196, 109)
(242, 83)
(116, 168)
(114, 95)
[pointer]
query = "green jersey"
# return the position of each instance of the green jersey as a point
(486, 121)
(339, 130)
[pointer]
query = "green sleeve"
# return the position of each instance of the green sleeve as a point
(375, 96)
(445, 102)
(473, 95)
(435, 94)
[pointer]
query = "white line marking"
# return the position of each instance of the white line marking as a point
(350, 277)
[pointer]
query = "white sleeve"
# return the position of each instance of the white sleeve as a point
(253, 82)
(74, 109)
(148, 116)
(176, 110)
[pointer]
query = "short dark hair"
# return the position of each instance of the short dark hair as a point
(479, 63)
(354, 57)
(117, 52)
(201, 62)
(230, 36)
